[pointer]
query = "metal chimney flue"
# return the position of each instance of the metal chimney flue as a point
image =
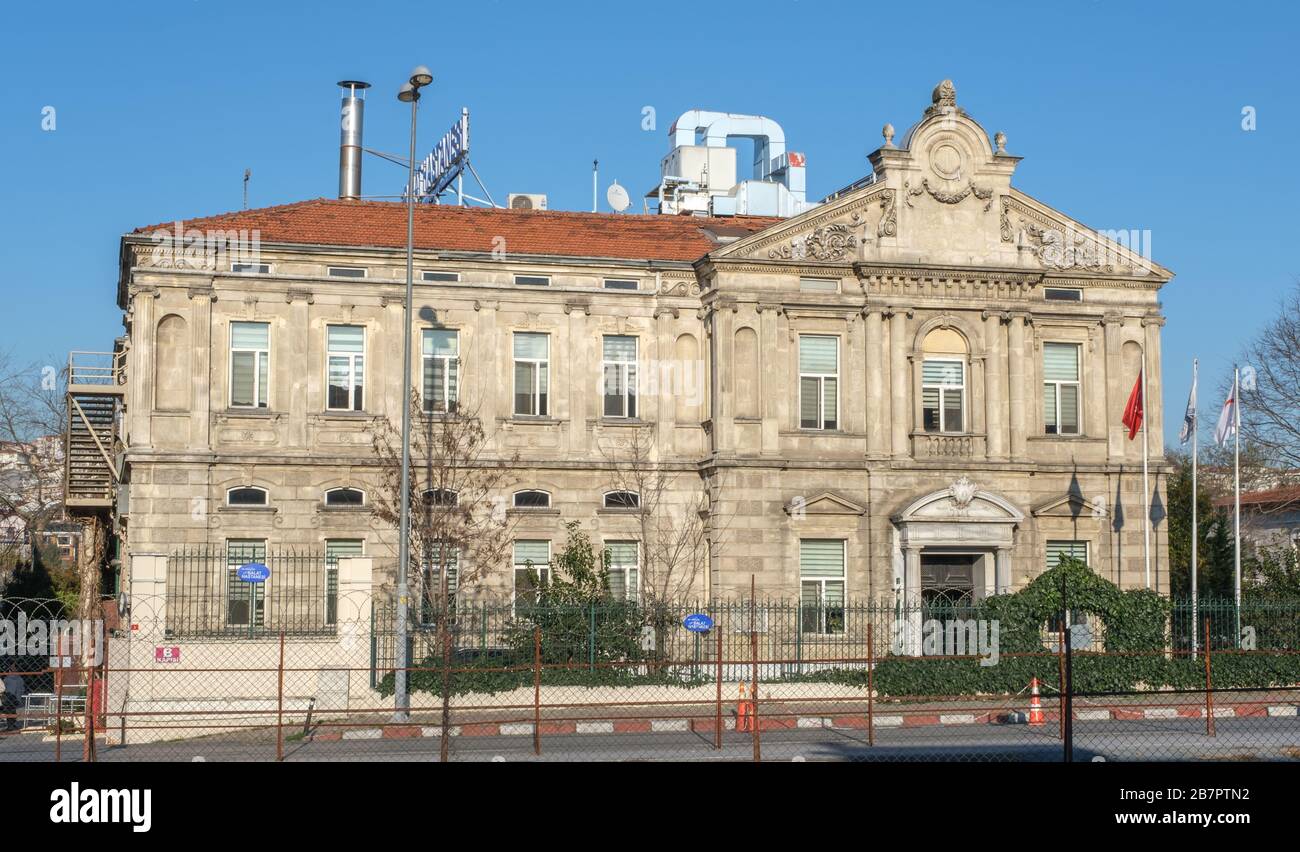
(352, 120)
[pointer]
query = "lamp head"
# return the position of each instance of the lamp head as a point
(421, 76)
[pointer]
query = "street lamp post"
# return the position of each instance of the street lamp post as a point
(409, 93)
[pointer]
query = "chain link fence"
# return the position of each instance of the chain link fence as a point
(614, 681)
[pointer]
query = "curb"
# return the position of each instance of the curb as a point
(705, 725)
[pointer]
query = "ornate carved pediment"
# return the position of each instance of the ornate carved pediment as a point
(1059, 243)
(831, 233)
(961, 501)
(834, 242)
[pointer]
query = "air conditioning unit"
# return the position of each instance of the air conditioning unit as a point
(524, 201)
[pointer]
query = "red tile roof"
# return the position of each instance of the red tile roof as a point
(1272, 497)
(325, 221)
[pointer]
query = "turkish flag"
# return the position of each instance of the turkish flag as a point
(1133, 411)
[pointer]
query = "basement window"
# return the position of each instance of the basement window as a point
(345, 497)
(345, 271)
(621, 284)
(533, 280)
(246, 496)
(1062, 294)
(532, 500)
(430, 275)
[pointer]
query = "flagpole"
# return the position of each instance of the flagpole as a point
(1196, 427)
(1146, 485)
(1236, 477)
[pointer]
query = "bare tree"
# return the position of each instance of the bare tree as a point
(1270, 410)
(458, 518)
(31, 475)
(678, 524)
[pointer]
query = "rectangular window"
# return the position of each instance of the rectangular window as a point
(1061, 388)
(347, 366)
(532, 368)
(251, 268)
(619, 376)
(1067, 549)
(821, 585)
(250, 355)
(431, 275)
(623, 580)
(533, 280)
(345, 271)
(245, 602)
(943, 394)
(818, 382)
(441, 350)
(819, 285)
(532, 561)
(621, 284)
(439, 554)
(336, 549)
(1062, 294)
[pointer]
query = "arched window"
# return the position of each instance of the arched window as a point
(246, 495)
(943, 381)
(440, 497)
(345, 497)
(532, 500)
(622, 500)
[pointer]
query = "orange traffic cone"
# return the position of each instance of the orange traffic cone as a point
(1035, 704)
(743, 719)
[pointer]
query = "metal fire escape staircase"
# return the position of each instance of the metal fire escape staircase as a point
(96, 383)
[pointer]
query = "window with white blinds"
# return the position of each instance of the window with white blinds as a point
(347, 366)
(250, 356)
(441, 351)
(943, 394)
(1061, 388)
(532, 369)
(1068, 549)
(821, 585)
(534, 556)
(819, 285)
(818, 381)
(623, 581)
(619, 386)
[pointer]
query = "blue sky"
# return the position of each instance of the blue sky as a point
(1128, 116)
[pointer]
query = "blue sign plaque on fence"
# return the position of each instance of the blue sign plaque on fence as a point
(698, 623)
(253, 572)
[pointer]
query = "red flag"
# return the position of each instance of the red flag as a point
(1133, 411)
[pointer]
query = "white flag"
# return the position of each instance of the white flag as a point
(1227, 419)
(1189, 417)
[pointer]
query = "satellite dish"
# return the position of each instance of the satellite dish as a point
(617, 197)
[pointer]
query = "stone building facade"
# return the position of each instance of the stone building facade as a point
(914, 388)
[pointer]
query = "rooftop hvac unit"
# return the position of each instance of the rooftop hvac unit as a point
(525, 201)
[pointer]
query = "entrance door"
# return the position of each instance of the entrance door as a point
(947, 584)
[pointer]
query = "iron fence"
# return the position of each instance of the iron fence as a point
(206, 595)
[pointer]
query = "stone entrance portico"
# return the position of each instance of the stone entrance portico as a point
(958, 519)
